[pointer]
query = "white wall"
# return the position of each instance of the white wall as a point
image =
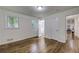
(57, 29)
(25, 27)
(53, 29)
(77, 26)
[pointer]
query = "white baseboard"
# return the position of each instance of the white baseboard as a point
(6, 42)
(62, 41)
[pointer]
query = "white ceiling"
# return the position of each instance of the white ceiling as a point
(32, 11)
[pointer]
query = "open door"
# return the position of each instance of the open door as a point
(41, 28)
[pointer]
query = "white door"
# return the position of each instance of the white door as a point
(41, 27)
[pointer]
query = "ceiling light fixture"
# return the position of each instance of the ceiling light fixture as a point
(39, 7)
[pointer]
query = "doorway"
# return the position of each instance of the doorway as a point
(70, 27)
(41, 28)
(72, 32)
(42, 44)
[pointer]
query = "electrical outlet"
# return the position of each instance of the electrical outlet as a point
(9, 39)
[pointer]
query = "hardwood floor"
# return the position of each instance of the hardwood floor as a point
(72, 44)
(42, 45)
(34, 45)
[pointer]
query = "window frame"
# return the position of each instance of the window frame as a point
(17, 18)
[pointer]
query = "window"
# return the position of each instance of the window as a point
(34, 23)
(12, 22)
(35, 26)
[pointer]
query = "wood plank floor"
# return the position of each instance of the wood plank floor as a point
(34, 45)
(41, 45)
(72, 44)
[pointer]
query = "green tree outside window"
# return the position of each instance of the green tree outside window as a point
(13, 22)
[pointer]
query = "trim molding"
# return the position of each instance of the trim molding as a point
(6, 43)
(57, 40)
